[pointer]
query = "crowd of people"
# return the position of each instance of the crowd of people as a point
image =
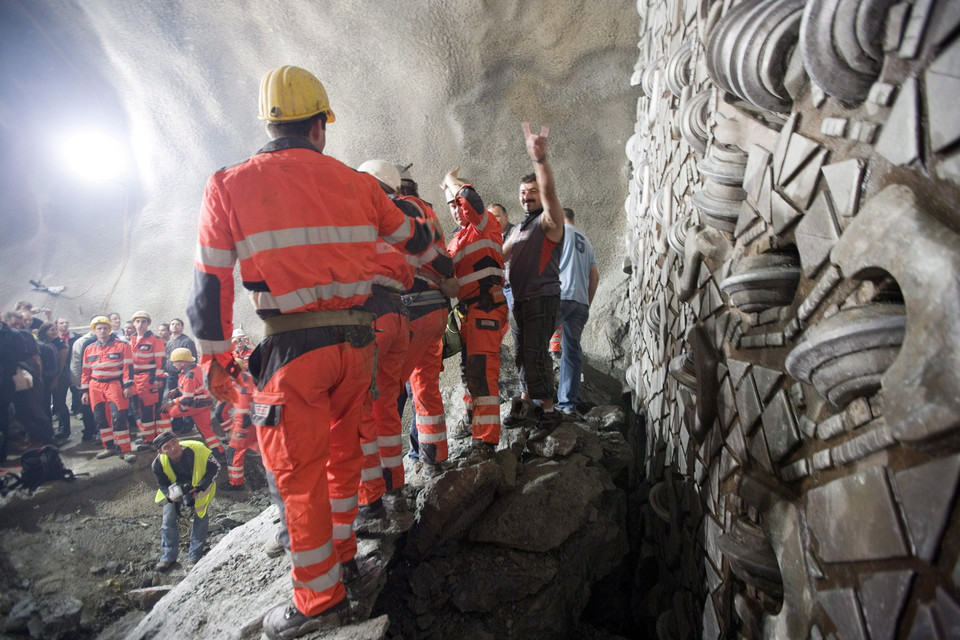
(353, 277)
(121, 377)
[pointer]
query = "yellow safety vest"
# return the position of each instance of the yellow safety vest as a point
(200, 455)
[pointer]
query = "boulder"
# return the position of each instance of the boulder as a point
(553, 500)
(606, 417)
(60, 617)
(447, 507)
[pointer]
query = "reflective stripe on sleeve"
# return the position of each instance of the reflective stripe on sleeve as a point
(216, 258)
(473, 247)
(401, 233)
(479, 275)
(211, 347)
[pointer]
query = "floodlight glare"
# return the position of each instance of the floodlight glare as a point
(93, 155)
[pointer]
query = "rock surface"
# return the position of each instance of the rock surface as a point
(479, 561)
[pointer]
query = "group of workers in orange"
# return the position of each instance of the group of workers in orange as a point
(123, 381)
(351, 274)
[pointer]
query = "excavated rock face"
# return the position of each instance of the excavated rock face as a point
(796, 353)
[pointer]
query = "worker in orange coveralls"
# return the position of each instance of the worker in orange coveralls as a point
(191, 399)
(381, 428)
(223, 411)
(240, 439)
(106, 379)
(428, 302)
(149, 378)
(478, 261)
(304, 227)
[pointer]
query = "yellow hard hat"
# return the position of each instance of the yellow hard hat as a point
(181, 354)
(100, 320)
(141, 314)
(290, 93)
(382, 171)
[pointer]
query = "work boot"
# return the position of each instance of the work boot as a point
(140, 447)
(369, 517)
(352, 580)
(286, 621)
(547, 421)
(273, 548)
(431, 470)
(62, 434)
(480, 451)
(128, 457)
(107, 453)
(520, 412)
(163, 565)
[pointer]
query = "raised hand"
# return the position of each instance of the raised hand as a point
(536, 143)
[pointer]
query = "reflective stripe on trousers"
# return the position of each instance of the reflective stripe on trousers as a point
(381, 423)
(422, 367)
(482, 332)
(110, 413)
(313, 451)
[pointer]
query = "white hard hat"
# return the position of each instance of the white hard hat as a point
(449, 194)
(382, 171)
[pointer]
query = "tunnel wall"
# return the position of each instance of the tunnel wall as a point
(793, 256)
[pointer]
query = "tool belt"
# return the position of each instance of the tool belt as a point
(310, 319)
(486, 301)
(431, 298)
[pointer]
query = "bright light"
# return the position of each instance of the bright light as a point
(93, 155)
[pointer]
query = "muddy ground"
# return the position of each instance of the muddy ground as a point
(98, 541)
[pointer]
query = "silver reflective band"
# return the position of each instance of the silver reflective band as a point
(478, 275)
(342, 505)
(216, 258)
(301, 236)
(390, 441)
(311, 556)
(321, 583)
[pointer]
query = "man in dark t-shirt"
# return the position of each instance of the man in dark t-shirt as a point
(533, 252)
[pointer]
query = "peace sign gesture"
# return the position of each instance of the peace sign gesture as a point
(536, 143)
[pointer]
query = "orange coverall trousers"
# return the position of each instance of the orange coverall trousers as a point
(110, 413)
(381, 428)
(308, 421)
(422, 367)
(481, 333)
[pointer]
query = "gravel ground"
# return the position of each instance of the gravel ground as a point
(99, 540)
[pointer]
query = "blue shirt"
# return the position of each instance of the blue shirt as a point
(575, 261)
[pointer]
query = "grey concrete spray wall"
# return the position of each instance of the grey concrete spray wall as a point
(793, 219)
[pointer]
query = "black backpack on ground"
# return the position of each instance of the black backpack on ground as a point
(38, 466)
